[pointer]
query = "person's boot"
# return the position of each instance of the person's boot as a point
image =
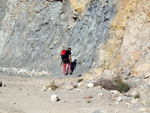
(66, 73)
(70, 73)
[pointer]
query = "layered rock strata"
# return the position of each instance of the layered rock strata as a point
(103, 34)
(33, 33)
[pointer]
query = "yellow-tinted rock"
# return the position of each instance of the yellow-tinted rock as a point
(119, 19)
(79, 5)
(98, 71)
(148, 17)
(136, 54)
(141, 69)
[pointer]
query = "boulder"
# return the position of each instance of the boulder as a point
(54, 98)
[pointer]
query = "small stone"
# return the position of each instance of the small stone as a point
(116, 111)
(134, 101)
(100, 103)
(64, 101)
(78, 90)
(3, 85)
(142, 109)
(100, 94)
(91, 78)
(79, 75)
(97, 111)
(115, 92)
(117, 102)
(79, 84)
(69, 87)
(148, 81)
(119, 99)
(44, 89)
(128, 104)
(90, 85)
(107, 104)
(133, 93)
(99, 87)
(147, 75)
(41, 74)
(13, 103)
(54, 98)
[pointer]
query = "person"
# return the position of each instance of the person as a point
(67, 60)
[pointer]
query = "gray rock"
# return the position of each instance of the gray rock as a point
(97, 111)
(35, 38)
(13, 103)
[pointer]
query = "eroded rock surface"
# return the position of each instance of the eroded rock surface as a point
(103, 35)
(33, 33)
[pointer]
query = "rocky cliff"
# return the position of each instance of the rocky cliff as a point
(103, 34)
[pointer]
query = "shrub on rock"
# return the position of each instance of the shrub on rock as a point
(80, 80)
(122, 87)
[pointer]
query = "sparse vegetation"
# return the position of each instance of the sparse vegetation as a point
(118, 79)
(105, 83)
(52, 86)
(122, 87)
(75, 86)
(137, 96)
(89, 101)
(89, 97)
(80, 80)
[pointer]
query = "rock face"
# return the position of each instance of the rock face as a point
(128, 48)
(102, 34)
(33, 33)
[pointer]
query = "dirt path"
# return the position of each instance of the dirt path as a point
(23, 95)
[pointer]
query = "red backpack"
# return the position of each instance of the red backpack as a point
(63, 54)
(64, 57)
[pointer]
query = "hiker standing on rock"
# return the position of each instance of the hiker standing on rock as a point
(66, 59)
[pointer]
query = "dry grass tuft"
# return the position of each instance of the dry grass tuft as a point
(52, 86)
(89, 97)
(137, 96)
